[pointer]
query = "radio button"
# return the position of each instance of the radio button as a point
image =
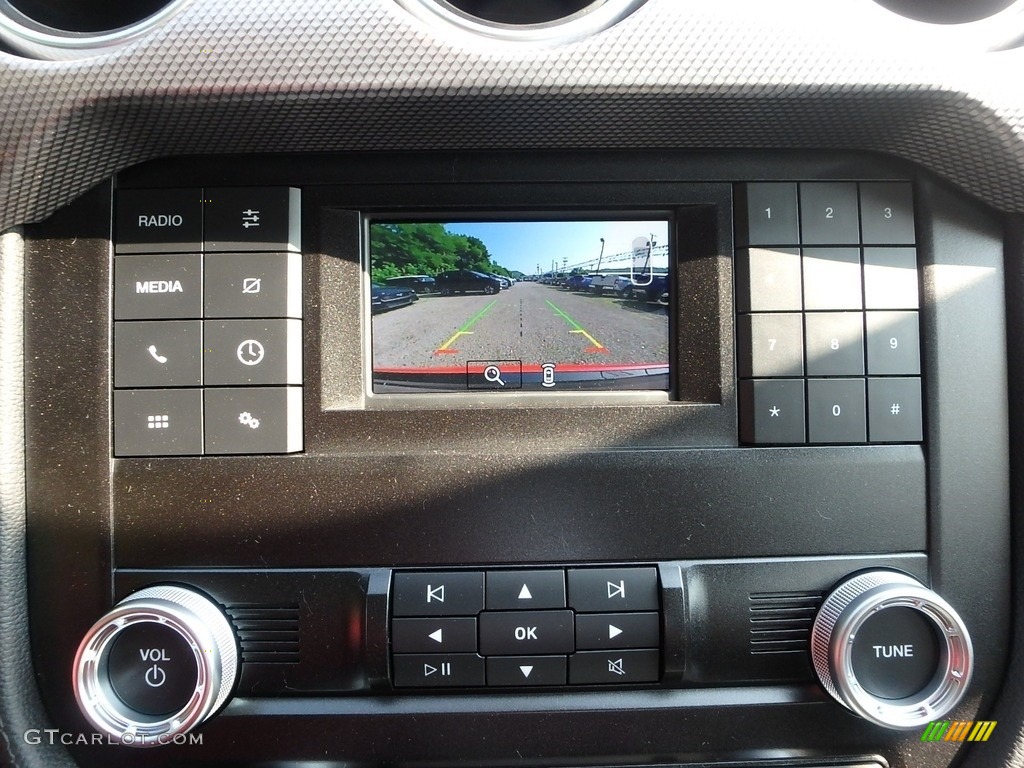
(894, 411)
(253, 285)
(159, 221)
(618, 630)
(887, 213)
(768, 280)
(158, 287)
(890, 278)
(438, 594)
(613, 590)
(252, 219)
(433, 635)
(438, 670)
(526, 632)
(256, 352)
(894, 344)
(835, 343)
(158, 354)
(622, 667)
(829, 214)
(770, 345)
(832, 278)
(836, 411)
(511, 590)
(772, 412)
(158, 422)
(770, 214)
(253, 420)
(508, 671)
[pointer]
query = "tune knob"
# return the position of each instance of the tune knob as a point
(158, 664)
(891, 650)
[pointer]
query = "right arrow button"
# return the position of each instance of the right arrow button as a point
(600, 631)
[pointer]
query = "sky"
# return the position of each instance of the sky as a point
(522, 245)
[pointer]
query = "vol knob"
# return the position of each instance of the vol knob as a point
(891, 650)
(158, 664)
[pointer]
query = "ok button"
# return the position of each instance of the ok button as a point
(526, 632)
(152, 669)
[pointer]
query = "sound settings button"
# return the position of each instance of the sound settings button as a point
(438, 670)
(152, 669)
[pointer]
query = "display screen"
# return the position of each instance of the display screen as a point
(512, 306)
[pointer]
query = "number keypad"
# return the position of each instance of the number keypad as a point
(827, 298)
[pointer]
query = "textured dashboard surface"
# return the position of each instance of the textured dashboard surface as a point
(250, 76)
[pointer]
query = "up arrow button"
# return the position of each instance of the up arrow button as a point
(512, 590)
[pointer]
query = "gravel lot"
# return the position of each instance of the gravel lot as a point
(529, 322)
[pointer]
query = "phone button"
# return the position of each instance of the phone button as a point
(158, 354)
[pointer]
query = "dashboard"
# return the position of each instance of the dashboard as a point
(433, 383)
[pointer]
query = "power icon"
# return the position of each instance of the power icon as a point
(155, 676)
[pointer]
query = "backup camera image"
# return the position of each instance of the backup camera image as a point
(510, 306)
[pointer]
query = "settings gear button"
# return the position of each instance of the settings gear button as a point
(250, 420)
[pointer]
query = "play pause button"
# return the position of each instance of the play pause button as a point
(438, 670)
(526, 670)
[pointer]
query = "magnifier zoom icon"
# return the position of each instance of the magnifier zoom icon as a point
(493, 374)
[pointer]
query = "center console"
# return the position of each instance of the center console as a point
(482, 459)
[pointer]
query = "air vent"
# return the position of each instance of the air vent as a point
(947, 11)
(780, 622)
(70, 29)
(267, 634)
(530, 22)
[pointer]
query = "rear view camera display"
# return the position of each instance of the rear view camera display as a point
(512, 306)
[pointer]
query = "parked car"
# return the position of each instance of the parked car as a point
(505, 281)
(655, 292)
(578, 282)
(419, 283)
(607, 282)
(466, 281)
(383, 298)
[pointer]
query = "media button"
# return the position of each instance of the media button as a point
(158, 287)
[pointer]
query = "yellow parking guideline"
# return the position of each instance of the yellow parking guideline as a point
(577, 328)
(464, 330)
(593, 341)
